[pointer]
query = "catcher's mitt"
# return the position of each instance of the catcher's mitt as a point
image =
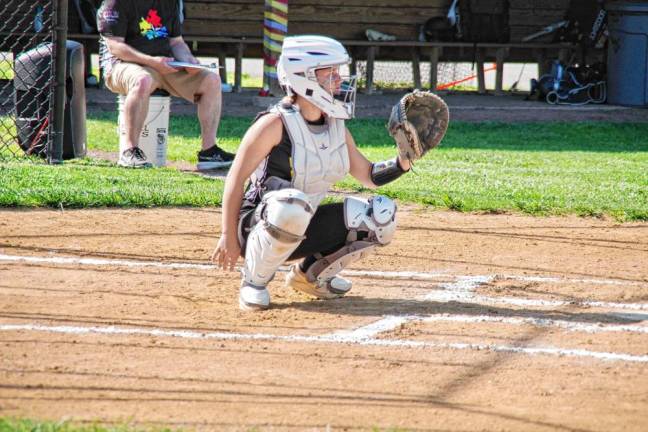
(418, 123)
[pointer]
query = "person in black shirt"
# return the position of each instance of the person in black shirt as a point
(138, 40)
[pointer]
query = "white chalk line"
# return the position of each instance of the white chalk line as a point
(409, 275)
(575, 326)
(389, 323)
(569, 280)
(463, 284)
(187, 334)
(103, 262)
(450, 296)
(461, 290)
(457, 292)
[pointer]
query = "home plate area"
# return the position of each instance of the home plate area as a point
(116, 323)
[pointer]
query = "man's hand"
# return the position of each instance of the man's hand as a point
(161, 64)
(192, 71)
(182, 53)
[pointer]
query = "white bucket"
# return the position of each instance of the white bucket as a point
(153, 139)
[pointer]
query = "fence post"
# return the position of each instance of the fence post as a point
(59, 54)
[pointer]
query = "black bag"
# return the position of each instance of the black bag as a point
(443, 28)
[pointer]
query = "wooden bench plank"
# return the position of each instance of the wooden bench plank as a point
(445, 4)
(539, 4)
(317, 13)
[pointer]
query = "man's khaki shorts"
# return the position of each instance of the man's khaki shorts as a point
(123, 77)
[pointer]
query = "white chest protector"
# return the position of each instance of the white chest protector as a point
(320, 156)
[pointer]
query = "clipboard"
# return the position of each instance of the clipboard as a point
(180, 65)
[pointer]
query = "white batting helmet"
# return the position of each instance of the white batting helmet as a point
(300, 57)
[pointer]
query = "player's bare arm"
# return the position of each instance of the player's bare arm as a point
(255, 146)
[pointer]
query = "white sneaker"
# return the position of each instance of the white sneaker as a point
(330, 289)
(134, 158)
(252, 298)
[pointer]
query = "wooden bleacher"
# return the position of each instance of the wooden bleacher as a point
(234, 28)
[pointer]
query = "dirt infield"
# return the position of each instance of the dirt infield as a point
(464, 322)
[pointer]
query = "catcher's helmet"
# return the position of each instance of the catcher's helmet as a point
(300, 57)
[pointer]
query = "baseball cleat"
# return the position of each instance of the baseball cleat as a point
(253, 298)
(330, 289)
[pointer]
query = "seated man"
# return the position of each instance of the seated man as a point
(138, 39)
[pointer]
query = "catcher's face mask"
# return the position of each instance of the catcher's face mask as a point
(339, 85)
(314, 68)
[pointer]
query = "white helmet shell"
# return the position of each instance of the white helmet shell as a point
(300, 57)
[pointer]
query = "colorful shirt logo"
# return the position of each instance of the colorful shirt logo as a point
(151, 27)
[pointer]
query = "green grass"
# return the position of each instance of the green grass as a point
(247, 81)
(6, 70)
(92, 183)
(27, 425)
(588, 169)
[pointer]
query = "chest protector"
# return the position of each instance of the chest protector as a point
(320, 156)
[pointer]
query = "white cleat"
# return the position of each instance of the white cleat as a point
(330, 289)
(253, 299)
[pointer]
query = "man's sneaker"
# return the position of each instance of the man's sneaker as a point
(253, 298)
(214, 157)
(330, 289)
(134, 158)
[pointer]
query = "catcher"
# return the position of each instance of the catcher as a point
(291, 155)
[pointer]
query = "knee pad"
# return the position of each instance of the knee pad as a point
(376, 218)
(286, 213)
(283, 216)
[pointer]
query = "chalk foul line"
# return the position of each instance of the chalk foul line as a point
(408, 275)
(189, 334)
(462, 289)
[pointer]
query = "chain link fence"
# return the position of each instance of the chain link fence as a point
(399, 74)
(32, 81)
